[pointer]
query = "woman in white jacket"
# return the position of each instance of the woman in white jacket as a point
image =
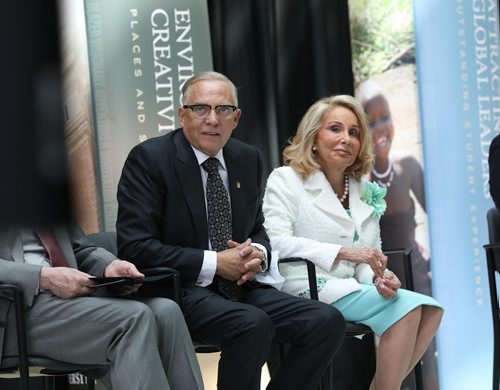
(319, 207)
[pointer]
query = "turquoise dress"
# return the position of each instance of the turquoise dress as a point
(368, 307)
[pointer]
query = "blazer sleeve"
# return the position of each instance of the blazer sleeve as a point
(24, 275)
(89, 258)
(142, 201)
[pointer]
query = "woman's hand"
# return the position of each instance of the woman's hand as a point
(388, 285)
(372, 256)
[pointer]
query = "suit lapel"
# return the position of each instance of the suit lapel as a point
(189, 175)
(66, 246)
(323, 195)
(237, 187)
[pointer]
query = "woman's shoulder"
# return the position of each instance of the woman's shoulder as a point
(284, 173)
(284, 180)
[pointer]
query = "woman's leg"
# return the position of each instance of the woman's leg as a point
(429, 323)
(396, 343)
(395, 352)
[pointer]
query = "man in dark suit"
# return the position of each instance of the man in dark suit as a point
(163, 219)
(145, 344)
(494, 166)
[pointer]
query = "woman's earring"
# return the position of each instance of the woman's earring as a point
(314, 148)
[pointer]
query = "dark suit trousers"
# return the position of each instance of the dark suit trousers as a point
(245, 330)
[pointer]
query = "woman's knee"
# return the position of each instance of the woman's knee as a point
(432, 313)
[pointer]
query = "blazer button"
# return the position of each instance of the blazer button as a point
(199, 281)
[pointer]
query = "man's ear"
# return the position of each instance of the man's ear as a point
(236, 117)
(181, 112)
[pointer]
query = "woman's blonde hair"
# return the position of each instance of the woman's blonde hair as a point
(299, 153)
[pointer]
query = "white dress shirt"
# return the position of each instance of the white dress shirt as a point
(209, 265)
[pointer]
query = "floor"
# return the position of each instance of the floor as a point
(208, 364)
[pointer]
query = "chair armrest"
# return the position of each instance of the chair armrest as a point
(14, 294)
(491, 246)
(157, 289)
(311, 274)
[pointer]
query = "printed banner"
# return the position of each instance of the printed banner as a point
(140, 54)
(457, 51)
(383, 54)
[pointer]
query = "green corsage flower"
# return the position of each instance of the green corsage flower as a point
(373, 195)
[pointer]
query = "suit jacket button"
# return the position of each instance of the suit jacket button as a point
(199, 281)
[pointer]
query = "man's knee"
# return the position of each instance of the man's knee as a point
(252, 324)
(328, 318)
(166, 311)
(135, 313)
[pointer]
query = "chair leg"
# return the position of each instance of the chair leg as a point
(25, 382)
(419, 381)
(496, 364)
(50, 383)
(327, 379)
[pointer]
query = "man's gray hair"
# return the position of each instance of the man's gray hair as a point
(208, 75)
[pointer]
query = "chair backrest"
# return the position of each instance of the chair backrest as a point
(399, 261)
(106, 240)
(493, 218)
(493, 264)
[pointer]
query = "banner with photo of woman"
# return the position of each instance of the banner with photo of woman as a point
(428, 75)
(383, 55)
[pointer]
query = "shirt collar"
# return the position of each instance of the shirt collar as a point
(202, 157)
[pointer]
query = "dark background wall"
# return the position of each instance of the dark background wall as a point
(282, 55)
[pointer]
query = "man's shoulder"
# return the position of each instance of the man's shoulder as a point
(234, 144)
(495, 143)
(159, 141)
(159, 145)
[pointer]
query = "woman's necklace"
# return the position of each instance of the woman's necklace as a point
(346, 188)
(389, 172)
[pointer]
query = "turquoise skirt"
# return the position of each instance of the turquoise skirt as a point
(368, 307)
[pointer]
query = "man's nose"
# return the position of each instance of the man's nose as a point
(212, 117)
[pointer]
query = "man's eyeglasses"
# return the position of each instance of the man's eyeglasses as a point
(203, 110)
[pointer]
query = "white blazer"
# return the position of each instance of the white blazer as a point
(304, 218)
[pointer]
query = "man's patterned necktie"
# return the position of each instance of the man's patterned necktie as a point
(219, 222)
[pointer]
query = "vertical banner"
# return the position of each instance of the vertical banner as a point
(140, 54)
(383, 54)
(457, 50)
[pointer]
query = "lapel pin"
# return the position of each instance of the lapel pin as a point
(238, 184)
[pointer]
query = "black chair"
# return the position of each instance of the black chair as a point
(359, 330)
(493, 263)
(23, 365)
(352, 329)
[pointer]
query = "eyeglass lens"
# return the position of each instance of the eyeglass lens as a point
(203, 110)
